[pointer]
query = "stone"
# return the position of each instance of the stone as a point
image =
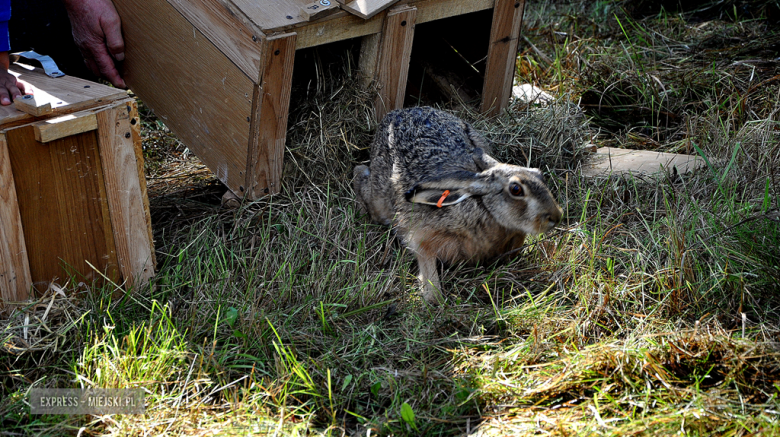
(609, 160)
(529, 93)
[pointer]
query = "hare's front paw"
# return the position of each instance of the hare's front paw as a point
(360, 183)
(431, 293)
(429, 278)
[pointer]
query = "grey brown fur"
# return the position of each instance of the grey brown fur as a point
(417, 154)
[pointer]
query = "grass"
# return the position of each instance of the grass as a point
(652, 310)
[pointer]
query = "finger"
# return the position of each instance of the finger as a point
(105, 64)
(5, 100)
(15, 92)
(24, 87)
(114, 41)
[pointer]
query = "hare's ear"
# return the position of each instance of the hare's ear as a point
(537, 173)
(483, 160)
(452, 188)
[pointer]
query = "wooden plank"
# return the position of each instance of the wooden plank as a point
(65, 126)
(395, 51)
(432, 10)
(318, 9)
(269, 125)
(273, 15)
(343, 25)
(29, 105)
(502, 55)
(279, 16)
(61, 196)
(65, 94)
(336, 27)
(124, 194)
(135, 128)
(15, 279)
(190, 84)
(366, 9)
(228, 29)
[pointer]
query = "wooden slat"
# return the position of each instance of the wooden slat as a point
(369, 53)
(60, 193)
(190, 84)
(135, 128)
(228, 29)
(432, 10)
(65, 126)
(269, 126)
(336, 27)
(124, 194)
(29, 105)
(65, 95)
(15, 279)
(318, 9)
(502, 55)
(343, 25)
(273, 15)
(393, 64)
(366, 9)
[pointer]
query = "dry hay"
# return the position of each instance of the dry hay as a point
(693, 378)
(41, 325)
(554, 137)
(574, 336)
(332, 133)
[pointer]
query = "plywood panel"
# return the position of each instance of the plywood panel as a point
(65, 94)
(190, 84)
(393, 63)
(15, 279)
(269, 128)
(228, 29)
(502, 55)
(125, 196)
(60, 192)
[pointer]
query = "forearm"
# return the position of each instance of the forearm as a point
(5, 15)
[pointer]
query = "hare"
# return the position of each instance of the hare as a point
(432, 179)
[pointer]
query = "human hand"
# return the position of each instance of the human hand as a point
(10, 86)
(97, 31)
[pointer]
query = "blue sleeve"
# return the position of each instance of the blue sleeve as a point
(5, 15)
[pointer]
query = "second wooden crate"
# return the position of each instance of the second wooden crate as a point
(72, 189)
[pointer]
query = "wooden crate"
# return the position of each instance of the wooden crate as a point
(219, 72)
(72, 189)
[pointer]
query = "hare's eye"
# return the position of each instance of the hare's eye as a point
(516, 190)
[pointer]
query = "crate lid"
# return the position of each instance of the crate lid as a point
(65, 94)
